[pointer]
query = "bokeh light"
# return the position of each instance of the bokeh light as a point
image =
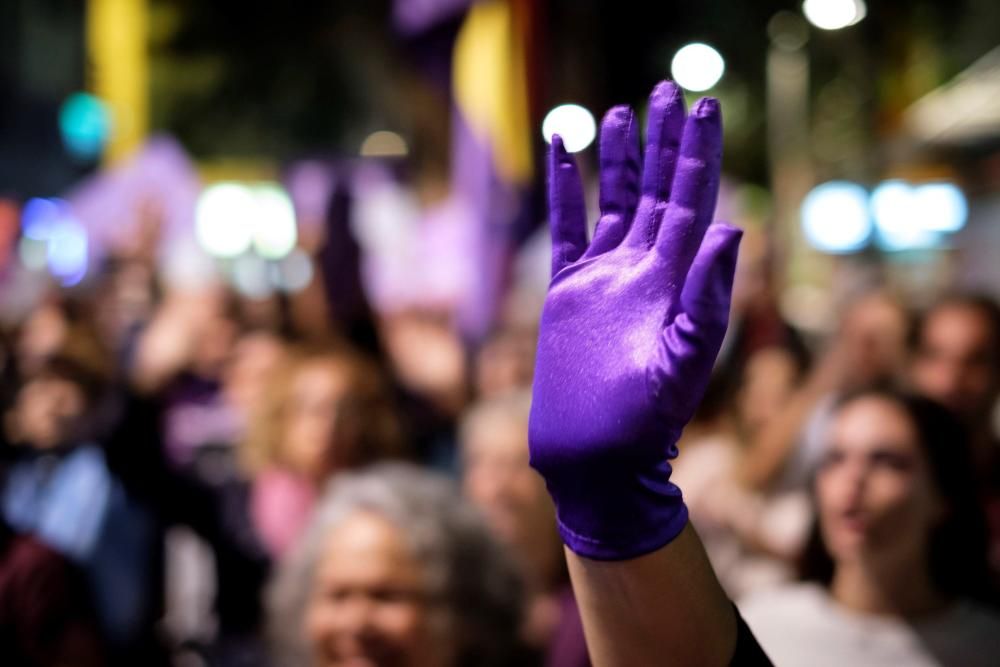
(85, 125)
(32, 253)
(274, 231)
(835, 217)
(233, 217)
(942, 205)
(697, 67)
(384, 144)
(293, 273)
(250, 276)
(39, 216)
(909, 217)
(52, 238)
(788, 31)
(573, 123)
(223, 219)
(67, 251)
(834, 14)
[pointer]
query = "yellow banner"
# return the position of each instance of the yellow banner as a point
(119, 70)
(491, 86)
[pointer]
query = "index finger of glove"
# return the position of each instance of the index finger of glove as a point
(567, 210)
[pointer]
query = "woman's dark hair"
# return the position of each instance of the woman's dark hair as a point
(959, 544)
(89, 378)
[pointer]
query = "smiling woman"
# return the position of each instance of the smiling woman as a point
(899, 554)
(371, 602)
(396, 569)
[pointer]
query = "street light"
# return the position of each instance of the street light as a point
(916, 216)
(697, 67)
(835, 217)
(834, 14)
(573, 123)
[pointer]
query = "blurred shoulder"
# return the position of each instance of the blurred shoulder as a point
(792, 622)
(790, 599)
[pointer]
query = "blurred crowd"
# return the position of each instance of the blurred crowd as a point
(197, 477)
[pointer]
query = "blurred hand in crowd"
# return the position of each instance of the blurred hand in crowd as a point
(428, 358)
(868, 348)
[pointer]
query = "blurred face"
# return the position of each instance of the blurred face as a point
(370, 606)
(505, 364)
(313, 414)
(254, 361)
(955, 363)
(498, 480)
(44, 332)
(874, 334)
(769, 378)
(47, 411)
(877, 500)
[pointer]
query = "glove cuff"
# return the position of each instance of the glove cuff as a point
(634, 514)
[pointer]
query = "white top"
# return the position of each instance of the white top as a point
(733, 521)
(803, 625)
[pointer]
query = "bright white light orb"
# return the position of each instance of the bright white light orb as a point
(573, 123)
(33, 253)
(697, 67)
(293, 273)
(52, 237)
(232, 217)
(899, 219)
(942, 206)
(835, 217)
(250, 276)
(273, 231)
(224, 219)
(40, 216)
(834, 14)
(67, 251)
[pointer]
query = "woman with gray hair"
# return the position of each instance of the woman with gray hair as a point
(396, 569)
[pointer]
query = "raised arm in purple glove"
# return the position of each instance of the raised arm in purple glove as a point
(631, 325)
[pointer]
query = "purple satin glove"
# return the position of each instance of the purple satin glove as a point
(631, 325)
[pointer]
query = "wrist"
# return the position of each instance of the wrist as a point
(612, 513)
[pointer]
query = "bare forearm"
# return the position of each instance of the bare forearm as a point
(771, 449)
(665, 607)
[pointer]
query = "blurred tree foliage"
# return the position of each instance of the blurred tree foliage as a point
(264, 78)
(246, 78)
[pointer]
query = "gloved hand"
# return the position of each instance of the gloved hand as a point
(631, 325)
